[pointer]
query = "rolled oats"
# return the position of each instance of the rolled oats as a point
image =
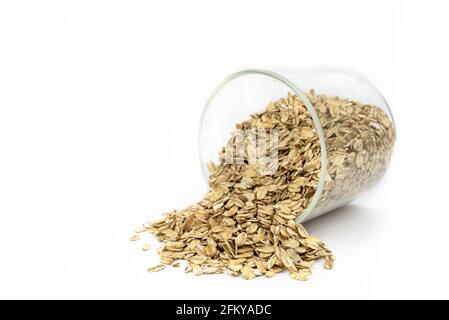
(245, 225)
(157, 268)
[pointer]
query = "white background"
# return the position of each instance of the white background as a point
(100, 104)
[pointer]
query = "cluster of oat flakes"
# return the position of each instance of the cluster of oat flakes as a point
(245, 225)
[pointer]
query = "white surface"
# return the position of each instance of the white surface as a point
(99, 109)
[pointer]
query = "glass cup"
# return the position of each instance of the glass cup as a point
(356, 131)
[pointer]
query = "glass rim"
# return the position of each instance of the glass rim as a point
(323, 171)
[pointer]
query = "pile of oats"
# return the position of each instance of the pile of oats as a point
(245, 225)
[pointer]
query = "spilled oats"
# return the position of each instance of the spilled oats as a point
(245, 225)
